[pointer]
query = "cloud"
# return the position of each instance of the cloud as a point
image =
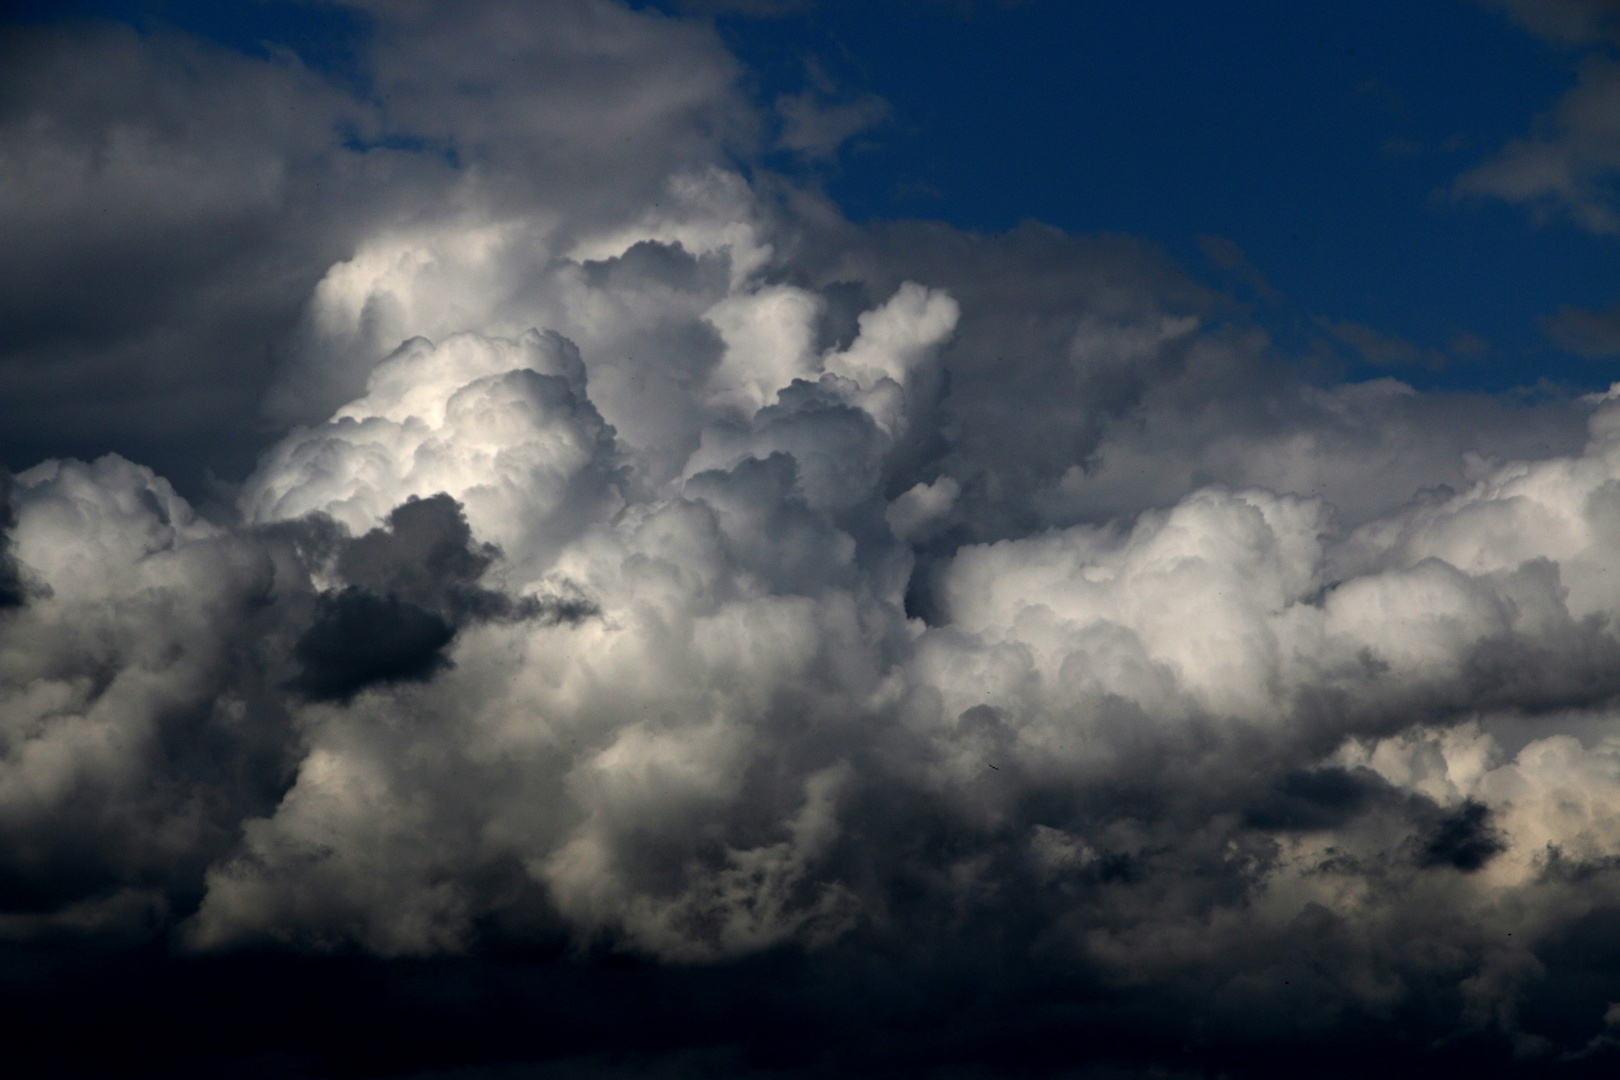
(495, 423)
(1569, 164)
(1592, 334)
(167, 203)
(1463, 839)
(816, 130)
(1226, 255)
(880, 646)
(408, 586)
(11, 585)
(759, 9)
(921, 506)
(360, 639)
(141, 712)
(171, 205)
(1568, 22)
(701, 772)
(1383, 349)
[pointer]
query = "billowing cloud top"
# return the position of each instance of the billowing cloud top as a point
(645, 566)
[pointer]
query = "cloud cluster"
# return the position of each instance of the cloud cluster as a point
(654, 571)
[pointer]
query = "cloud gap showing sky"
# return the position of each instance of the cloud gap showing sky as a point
(585, 540)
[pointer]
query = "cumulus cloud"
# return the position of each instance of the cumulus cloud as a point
(932, 648)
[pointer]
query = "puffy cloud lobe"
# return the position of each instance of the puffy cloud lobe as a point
(502, 426)
(1425, 609)
(921, 506)
(769, 333)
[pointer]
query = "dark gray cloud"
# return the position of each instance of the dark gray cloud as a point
(673, 630)
(1463, 839)
(11, 584)
(1568, 22)
(818, 120)
(424, 553)
(1593, 334)
(167, 209)
(360, 639)
(410, 584)
(1568, 163)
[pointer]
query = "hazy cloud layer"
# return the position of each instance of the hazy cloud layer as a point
(743, 640)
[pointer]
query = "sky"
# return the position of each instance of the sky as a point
(762, 538)
(1326, 145)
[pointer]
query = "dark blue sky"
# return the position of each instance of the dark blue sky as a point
(1323, 140)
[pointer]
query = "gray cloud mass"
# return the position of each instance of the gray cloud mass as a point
(588, 608)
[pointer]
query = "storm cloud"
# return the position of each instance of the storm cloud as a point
(613, 615)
